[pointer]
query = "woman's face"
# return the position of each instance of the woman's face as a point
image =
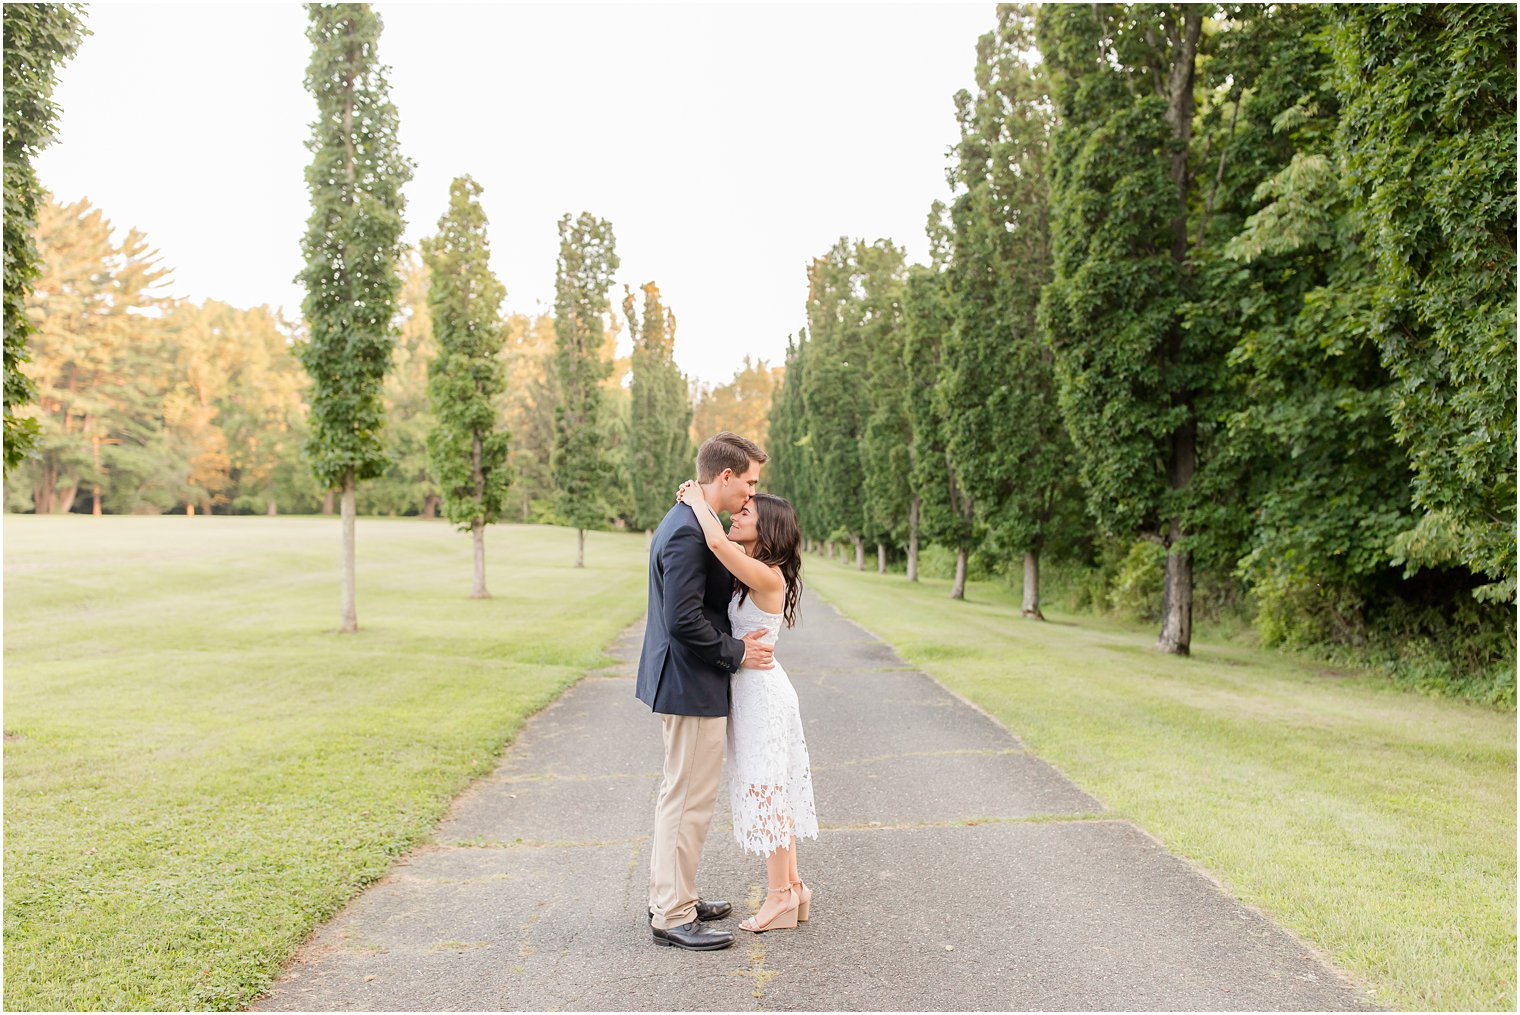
(742, 525)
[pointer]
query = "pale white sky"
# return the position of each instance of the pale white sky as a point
(727, 144)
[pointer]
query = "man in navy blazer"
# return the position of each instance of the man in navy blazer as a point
(688, 657)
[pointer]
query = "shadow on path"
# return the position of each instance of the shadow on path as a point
(954, 871)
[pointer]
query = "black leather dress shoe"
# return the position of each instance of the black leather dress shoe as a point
(708, 911)
(693, 936)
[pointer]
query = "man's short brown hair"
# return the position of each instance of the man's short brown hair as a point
(726, 451)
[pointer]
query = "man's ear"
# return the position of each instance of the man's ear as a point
(726, 476)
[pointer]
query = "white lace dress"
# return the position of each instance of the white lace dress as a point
(770, 785)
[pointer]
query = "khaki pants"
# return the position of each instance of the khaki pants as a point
(693, 764)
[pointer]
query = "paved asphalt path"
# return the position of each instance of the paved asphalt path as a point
(955, 871)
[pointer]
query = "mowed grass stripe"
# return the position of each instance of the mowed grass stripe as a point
(199, 770)
(1377, 824)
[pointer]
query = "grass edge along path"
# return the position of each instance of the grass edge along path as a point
(1376, 824)
(199, 770)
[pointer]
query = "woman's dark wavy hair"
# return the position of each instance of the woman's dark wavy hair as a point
(778, 542)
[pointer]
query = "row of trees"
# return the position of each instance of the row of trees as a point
(148, 404)
(1236, 282)
(403, 404)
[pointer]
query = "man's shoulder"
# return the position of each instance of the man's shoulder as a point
(678, 522)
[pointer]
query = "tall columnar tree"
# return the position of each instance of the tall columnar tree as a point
(843, 287)
(792, 471)
(1427, 142)
(831, 396)
(587, 259)
(529, 411)
(938, 511)
(885, 434)
(1137, 387)
(352, 248)
(38, 39)
(468, 447)
(1006, 434)
(408, 485)
(659, 439)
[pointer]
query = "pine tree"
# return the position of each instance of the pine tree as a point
(352, 247)
(660, 454)
(38, 39)
(99, 357)
(587, 259)
(467, 447)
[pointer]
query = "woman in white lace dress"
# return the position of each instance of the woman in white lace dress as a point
(770, 783)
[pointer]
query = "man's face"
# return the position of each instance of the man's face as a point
(738, 489)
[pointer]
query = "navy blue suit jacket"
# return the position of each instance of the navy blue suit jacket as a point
(689, 649)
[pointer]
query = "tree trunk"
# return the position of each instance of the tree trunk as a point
(430, 506)
(47, 488)
(881, 558)
(860, 552)
(1177, 604)
(327, 502)
(580, 547)
(958, 590)
(1179, 115)
(350, 622)
(479, 527)
(913, 540)
(1031, 607)
(479, 532)
(1177, 601)
(95, 487)
(832, 555)
(189, 509)
(274, 509)
(66, 498)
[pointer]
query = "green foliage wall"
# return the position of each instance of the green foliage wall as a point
(1426, 140)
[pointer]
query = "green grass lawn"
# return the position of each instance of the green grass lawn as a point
(1377, 824)
(199, 769)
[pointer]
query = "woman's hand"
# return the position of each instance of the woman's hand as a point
(689, 493)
